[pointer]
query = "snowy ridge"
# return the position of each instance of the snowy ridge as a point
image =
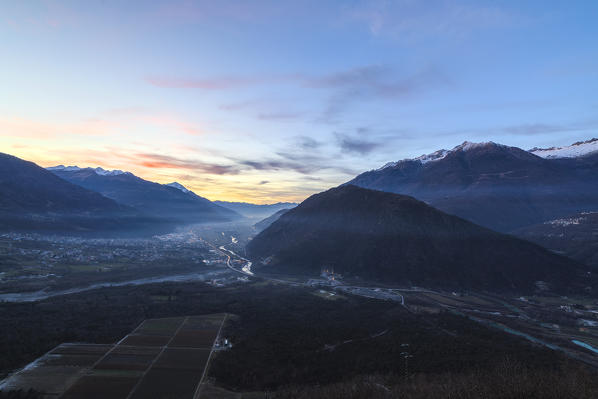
(441, 154)
(178, 186)
(99, 171)
(579, 149)
(435, 156)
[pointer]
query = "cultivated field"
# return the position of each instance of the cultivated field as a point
(160, 359)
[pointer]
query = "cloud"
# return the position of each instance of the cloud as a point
(263, 109)
(277, 165)
(278, 115)
(196, 11)
(544, 128)
(365, 83)
(373, 82)
(411, 21)
(155, 118)
(172, 122)
(23, 127)
(527, 129)
(217, 83)
(381, 80)
(305, 164)
(170, 162)
(240, 105)
(356, 145)
(308, 143)
(47, 14)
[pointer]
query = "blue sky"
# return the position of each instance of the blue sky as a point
(275, 100)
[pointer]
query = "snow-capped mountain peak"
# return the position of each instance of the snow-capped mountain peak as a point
(435, 156)
(468, 145)
(178, 186)
(64, 168)
(104, 172)
(99, 171)
(579, 149)
(440, 154)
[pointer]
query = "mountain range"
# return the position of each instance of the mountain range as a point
(34, 198)
(91, 200)
(374, 235)
(171, 201)
(500, 187)
(532, 194)
(255, 210)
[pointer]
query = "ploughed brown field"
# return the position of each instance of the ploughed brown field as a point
(160, 359)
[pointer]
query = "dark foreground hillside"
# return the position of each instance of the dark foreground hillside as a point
(393, 238)
(508, 379)
(285, 337)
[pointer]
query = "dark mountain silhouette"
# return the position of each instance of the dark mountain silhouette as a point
(26, 187)
(575, 236)
(394, 238)
(255, 210)
(157, 200)
(500, 187)
(264, 223)
(31, 198)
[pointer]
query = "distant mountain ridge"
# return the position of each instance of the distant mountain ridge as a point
(255, 210)
(158, 200)
(98, 170)
(264, 223)
(494, 185)
(29, 188)
(179, 186)
(397, 239)
(32, 198)
(578, 149)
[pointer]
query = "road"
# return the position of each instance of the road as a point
(394, 294)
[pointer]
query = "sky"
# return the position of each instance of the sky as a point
(274, 100)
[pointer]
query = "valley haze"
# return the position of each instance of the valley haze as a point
(364, 199)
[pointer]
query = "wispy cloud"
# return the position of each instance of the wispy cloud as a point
(277, 165)
(45, 14)
(216, 83)
(365, 83)
(410, 21)
(170, 162)
(356, 145)
(545, 128)
(23, 127)
(279, 115)
(301, 163)
(370, 83)
(308, 143)
(240, 105)
(526, 129)
(195, 11)
(153, 117)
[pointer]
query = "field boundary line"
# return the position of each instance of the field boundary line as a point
(197, 393)
(156, 358)
(97, 361)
